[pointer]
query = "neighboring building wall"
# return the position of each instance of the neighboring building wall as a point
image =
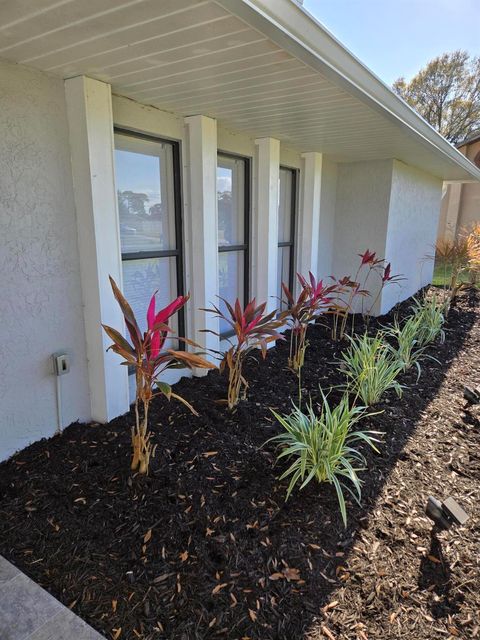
(470, 205)
(460, 202)
(41, 309)
(411, 233)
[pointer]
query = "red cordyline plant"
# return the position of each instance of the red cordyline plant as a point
(386, 277)
(313, 299)
(252, 330)
(145, 352)
(349, 289)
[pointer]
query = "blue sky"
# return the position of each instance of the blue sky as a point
(397, 37)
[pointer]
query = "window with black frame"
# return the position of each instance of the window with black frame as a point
(148, 192)
(233, 233)
(286, 229)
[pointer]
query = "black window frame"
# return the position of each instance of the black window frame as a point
(293, 222)
(176, 253)
(245, 246)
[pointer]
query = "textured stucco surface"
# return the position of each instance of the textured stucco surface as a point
(328, 193)
(41, 309)
(412, 228)
(361, 215)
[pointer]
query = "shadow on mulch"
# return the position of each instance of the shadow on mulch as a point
(206, 546)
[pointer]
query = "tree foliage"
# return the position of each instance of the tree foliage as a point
(446, 92)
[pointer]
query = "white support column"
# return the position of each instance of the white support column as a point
(265, 241)
(202, 228)
(309, 222)
(89, 108)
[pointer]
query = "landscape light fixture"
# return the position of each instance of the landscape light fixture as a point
(445, 514)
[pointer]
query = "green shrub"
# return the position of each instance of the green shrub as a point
(371, 368)
(322, 447)
(407, 349)
(431, 316)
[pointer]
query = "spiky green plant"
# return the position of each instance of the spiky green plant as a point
(406, 348)
(321, 447)
(431, 316)
(371, 368)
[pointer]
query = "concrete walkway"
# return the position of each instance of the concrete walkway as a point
(28, 612)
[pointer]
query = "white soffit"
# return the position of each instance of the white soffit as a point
(264, 67)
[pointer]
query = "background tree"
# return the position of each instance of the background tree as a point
(446, 92)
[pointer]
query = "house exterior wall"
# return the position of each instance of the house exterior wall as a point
(41, 310)
(361, 214)
(328, 196)
(390, 208)
(380, 205)
(460, 207)
(411, 232)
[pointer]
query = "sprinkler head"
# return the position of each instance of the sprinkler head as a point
(445, 514)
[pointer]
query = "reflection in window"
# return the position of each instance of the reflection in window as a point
(232, 223)
(286, 230)
(144, 174)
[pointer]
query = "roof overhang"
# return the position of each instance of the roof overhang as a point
(264, 67)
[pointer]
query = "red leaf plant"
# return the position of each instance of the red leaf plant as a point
(349, 289)
(313, 300)
(146, 353)
(386, 277)
(251, 330)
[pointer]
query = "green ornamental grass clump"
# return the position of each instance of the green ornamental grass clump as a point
(322, 447)
(431, 316)
(371, 368)
(406, 347)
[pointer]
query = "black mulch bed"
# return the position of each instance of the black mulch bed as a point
(206, 547)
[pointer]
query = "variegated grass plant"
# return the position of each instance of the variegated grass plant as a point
(431, 312)
(406, 347)
(371, 368)
(323, 447)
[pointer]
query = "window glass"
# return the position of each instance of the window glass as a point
(146, 208)
(285, 193)
(141, 278)
(231, 205)
(231, 271)
(144, 175)
(283, 270)
(232, 241)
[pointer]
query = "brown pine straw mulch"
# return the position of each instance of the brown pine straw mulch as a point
(206, 546)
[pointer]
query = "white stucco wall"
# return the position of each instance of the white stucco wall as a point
(361, 215)
(41, 309)
(414, 211)
(328, 195)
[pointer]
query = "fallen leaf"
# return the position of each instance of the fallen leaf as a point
(114, 606)
(277, 576)
(253, 615)
(147, 536)
(116, 633)
(183, 556)
(219, 587)
(291, 574)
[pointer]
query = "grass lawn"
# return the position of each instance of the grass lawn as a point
(442, 274)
